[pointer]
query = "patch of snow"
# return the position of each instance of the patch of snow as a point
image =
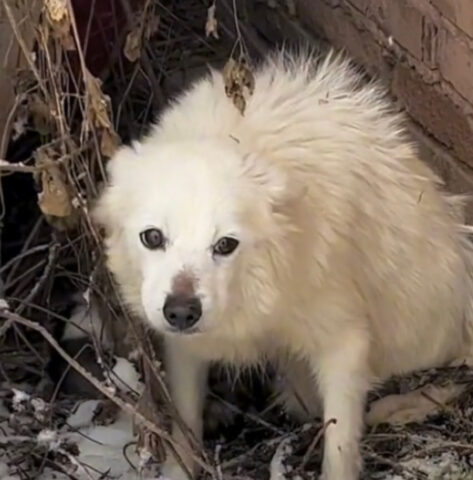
(127, 375)
(101, 449)
(445, 466)
(83, 415)
(85, 321)
(19, 399)
(277, 468)
(49, 438)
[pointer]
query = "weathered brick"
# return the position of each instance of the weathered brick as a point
(430, 35)
(337, 26)
(399, 19)
(455, 60)
(459, 12)
(362, 5)
(428, 101)
(403, 21)
(432, 109)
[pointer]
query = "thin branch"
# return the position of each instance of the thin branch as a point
(125, 406)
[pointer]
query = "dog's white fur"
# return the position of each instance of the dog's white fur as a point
(352, 264)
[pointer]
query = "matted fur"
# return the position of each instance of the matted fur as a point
(352, 264)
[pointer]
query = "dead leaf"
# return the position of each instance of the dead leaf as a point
(151, 410)
(414, 406)
(109, 142)
(132, 49)
(211, 24)
(54, 198)
(59, 20)
(239, 82)
(139, 34)
(98, 109)
(98, 102)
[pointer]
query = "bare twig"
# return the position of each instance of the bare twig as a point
(315, 442)
(125, 406)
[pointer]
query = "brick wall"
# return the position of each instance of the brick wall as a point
(424, 50)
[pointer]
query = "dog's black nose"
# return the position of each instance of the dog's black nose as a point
(182, 311)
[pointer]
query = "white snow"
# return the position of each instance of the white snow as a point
(101, 447)
(124, 375)
(277, 468)
(19, 398)
(83, 414)
(85, 321)
(444, 466)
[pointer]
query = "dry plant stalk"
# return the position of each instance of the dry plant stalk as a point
(12, 56)
(13, 318)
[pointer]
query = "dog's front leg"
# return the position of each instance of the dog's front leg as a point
(187, 381)
(343, 380)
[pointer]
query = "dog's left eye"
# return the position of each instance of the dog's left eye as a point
(152, 238)
(225, 246)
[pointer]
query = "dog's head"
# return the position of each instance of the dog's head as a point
(192, 231)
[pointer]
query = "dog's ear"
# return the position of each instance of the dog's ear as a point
(277, 184)
(113, 200)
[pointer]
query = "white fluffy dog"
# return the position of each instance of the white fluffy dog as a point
(305, 231)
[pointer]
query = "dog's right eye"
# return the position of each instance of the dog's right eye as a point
(152, 238)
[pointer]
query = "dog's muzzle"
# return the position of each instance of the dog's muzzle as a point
(181, 311)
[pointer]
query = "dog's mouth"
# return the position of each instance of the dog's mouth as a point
(182, 332)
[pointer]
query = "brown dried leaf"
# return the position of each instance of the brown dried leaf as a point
(59, 20)
(239, 82)
(211, 24)
(140, 33)
(109, 142)
(147, 440)
(132, 49)
(98, 108)
(98, 102)
(413, 406)
(54, 198)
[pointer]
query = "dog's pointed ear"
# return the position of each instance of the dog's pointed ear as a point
(279, 186)
(113, 201)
